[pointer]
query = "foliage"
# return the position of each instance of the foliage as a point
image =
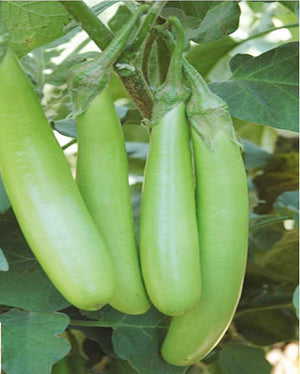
(254, 69)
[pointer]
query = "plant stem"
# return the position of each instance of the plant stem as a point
(161, 31)
(81, 45)
(149, 21)
(134, 80)
(87, 19)
(136, 85)
(67, 145)
(251, 37)
(175, 68)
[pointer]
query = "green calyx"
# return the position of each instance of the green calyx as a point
(87, 80)
(207, 112)
(172, 91)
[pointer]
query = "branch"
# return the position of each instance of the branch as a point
(85, 18)
(135, 84)
(258, 35)
(67, 145)
(133, 78)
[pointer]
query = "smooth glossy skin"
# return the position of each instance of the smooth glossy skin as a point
(222, 209)
(45, 198)
(102, 176)
(168, 228)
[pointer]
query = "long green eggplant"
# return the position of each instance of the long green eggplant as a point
(168, 233)
(102, 177)
(45, 198)
(222, 213)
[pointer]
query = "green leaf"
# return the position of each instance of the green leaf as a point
(219, 21)
(205, 21)
(33, 23)
(31, 344)
(141, 348)
(263, 136)
(265, 231)
(137, 339)
(296, 300)
(25, 285)
(264, 89)
(42, 68)
(281, 262)
(287, 204)
(267, 327)
(66, 127)
(254, 155)
(262, 293)
(205, 56)
(237, 359)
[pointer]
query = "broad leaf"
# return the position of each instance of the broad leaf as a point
(263, 136)
(262, 293)
(264, 89)
(25, 284)
(66, 127)
(267, 327)
(237, 359)
(265, 231)
(254, 155)
(33, 23)
(31, 344)
(137, 339)
(43, 69)
(280, 263)
(205, 21)
(205, 56)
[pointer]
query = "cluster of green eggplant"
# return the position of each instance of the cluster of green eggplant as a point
(194, 212)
